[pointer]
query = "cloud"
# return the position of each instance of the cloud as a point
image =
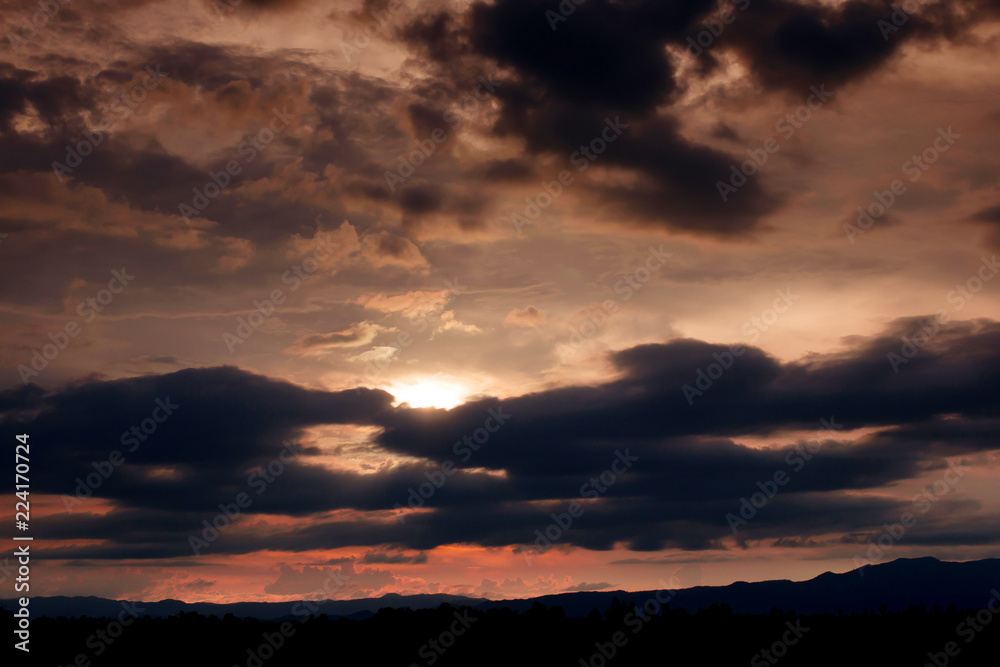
(450, 323)
(508, 588)
(565, 76)
(300, 581)
(550, 443)
(362, 333)
(329, 582)
(380, 557)
(584, 586)
(526, 318)
(383, 249)
(607, 62)
(198, 585)
(377, 355)
(411, 304)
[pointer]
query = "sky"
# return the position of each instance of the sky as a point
(497, 299)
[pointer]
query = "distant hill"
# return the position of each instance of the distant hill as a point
(96, 607)
(899, 584)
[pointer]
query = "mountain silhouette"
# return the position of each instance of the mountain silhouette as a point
(897, 585)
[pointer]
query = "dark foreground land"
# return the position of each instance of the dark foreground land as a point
(622, 635)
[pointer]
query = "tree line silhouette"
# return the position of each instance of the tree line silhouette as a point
(620, 636)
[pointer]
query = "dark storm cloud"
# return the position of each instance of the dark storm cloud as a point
(640, 523)
(605, 54)
(676, 183)
(958, 372)
(569, 72)
(141, 172)
(612, 53)
(53, 99)
(606, 59)
(974, 531)
(26, 397)
(793, 46)
(438, 34)
(214, 424)
(393, 558)
(691, 469)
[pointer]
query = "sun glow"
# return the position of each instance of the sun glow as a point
(440, 391)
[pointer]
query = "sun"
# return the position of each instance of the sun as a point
(439, 391)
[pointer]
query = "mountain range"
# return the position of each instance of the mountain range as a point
(899, 584)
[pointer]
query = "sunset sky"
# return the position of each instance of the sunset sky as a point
(497, 249)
